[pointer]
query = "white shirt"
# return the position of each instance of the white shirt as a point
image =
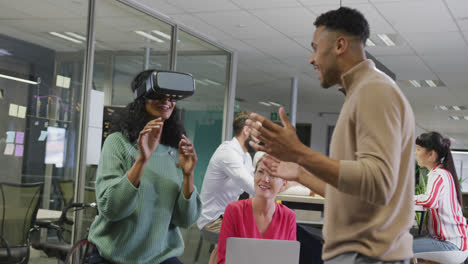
(228, 175)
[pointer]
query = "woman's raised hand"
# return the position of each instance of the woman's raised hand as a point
(187, 156)
(150, 137)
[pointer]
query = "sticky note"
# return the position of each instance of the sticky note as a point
(13, 110)
(43, 135)
(19, 138)
(36, 123)
(59, 81)
(10, 136)
(66, 82)
(21, 111)
(9, 149)
(19, 150)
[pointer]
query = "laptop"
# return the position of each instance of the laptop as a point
(261, 251)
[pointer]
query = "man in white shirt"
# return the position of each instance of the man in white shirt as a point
(228, 175)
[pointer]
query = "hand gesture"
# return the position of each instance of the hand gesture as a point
(150, 137)
(187, 156)
(280, 142)
(287, 170)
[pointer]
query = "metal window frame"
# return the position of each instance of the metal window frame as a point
(228, 113)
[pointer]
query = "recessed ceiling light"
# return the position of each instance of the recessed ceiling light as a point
(443, 107)
(431, 83)
(370, 43)
(241, 26)
(275, 104)
(201, 82)
(454, 117)
(65, 37)
(4, 52)
(465, 117)
(459, 152)
(415, 83)
(148, 36)
(219, 64)
(17, 79)
(211, 82)
(386, 39)
(162, 34)
(456, 108)
(76, 35)
(263, 103)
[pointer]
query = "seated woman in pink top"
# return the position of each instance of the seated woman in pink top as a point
(258, 217)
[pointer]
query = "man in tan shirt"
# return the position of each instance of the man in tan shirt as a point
(368, 180)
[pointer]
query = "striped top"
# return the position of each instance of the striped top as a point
(445, 217)
(140, 225)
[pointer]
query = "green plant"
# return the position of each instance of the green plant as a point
(420, 188)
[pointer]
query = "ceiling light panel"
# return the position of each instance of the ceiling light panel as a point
(148, 36)
(77, 36)
(265, 104)
(386, 39)
(162, 34)
(65, 37)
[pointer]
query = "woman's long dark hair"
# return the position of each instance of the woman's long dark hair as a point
(134, 118)
(435, 141)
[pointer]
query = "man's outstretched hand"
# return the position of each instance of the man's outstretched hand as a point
(280, 141)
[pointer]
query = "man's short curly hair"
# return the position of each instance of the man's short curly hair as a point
(346, 20)
(239, 122)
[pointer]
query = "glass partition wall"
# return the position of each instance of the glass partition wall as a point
(44, 57)
(203, 112)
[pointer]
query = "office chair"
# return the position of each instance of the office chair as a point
(18, 210)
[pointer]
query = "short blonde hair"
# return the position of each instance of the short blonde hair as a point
(257, 157)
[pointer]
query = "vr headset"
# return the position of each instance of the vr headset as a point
(157, 85)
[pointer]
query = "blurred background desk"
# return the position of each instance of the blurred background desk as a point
(302, 202)
(309, 218)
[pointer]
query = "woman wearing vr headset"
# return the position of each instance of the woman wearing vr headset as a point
(144, 183)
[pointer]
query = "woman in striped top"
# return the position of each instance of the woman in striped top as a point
(446, 225)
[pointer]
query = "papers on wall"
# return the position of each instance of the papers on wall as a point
(13, 110)
(43, 135)
(19, 138)
(10, 136)
(21, 111)
(19, 150)
(55, 146)
(17, 111)
(9, 148)
(63, 81)
(96, 113)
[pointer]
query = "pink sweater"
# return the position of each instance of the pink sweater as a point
(239, 221)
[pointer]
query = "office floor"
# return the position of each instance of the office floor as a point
(191, 237)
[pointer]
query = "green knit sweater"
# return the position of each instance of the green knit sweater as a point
(140, 225)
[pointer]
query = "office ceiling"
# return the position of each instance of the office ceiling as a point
(272, 38)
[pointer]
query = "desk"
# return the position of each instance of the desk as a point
(303, 205)
(302, 202)
(45, 214)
